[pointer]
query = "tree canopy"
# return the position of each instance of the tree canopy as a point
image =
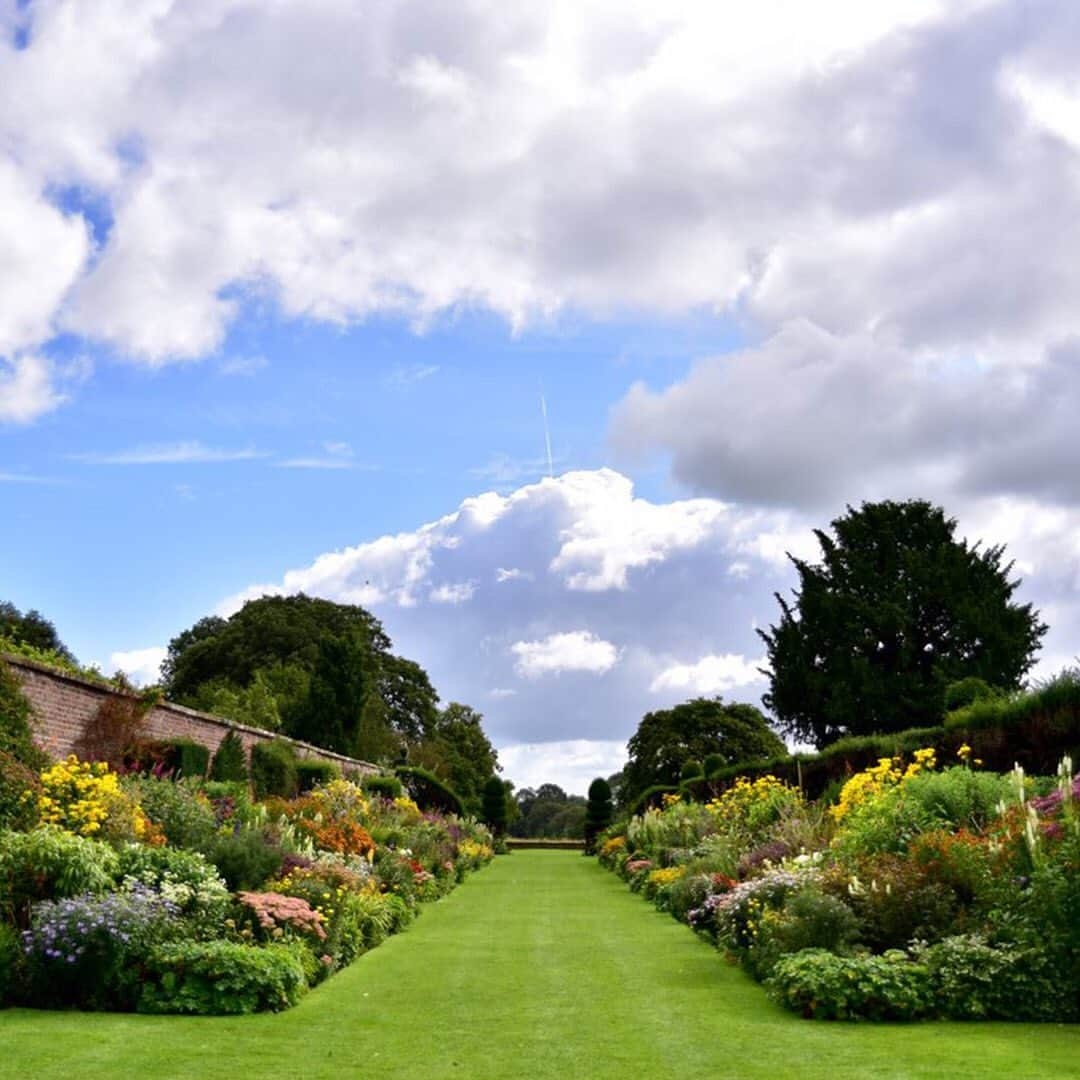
(548, 812)
(33, 629)
(896, 610)
(453, 745)
(668, 738)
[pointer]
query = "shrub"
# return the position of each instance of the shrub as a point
(184, 878)
(494, 805)
(246, 859)
(185, 757)
(20, 789)
(217, 978)
(809, 919)
(599, 811)
(10, 962)
(112, 735)
(429, 791)
(818, 984)
(182, 812)
(47, 864)
(750, 808)
(84, 951)
(229, 761)
(966, 691)
(273, 769)
(312, 774)
(973, 980)
(273, 914)
(16, 721)
(385, 787)
(86, 799)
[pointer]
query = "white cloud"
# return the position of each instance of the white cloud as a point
(245, 366)
(143, 666)
(453, 593)
(574, 650)
(501, 692)
(27, 389)
(411, 374)
(181, 453)
(710, 675)
(573, 764)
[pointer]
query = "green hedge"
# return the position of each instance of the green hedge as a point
(273, 769)
(185, 757)
(386, 787)
(428, 791)
(310, 774)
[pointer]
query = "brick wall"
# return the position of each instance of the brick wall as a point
(63, 704)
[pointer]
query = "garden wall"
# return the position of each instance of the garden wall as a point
(63, 704)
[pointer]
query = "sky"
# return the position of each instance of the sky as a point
(286, 288)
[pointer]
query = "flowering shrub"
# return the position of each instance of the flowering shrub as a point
(864, 787)
(749, 808)
(84, 950)
(277, 913)
(85, 798)
(184, 878)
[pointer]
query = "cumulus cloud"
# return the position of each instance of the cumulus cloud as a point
(904, 169)
(27, 389)
(809, 418)
(710, 675)
(143, 666)
(572, 763)
(574, 650)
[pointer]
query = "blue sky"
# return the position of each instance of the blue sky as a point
(280, 286)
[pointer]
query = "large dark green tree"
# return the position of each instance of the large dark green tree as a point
(896, 609)
(598, 812)
(668, 738)
(324, 671)
(455, 747)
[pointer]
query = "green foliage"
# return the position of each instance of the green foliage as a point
(16, 721)
(19, 787)
(809, 919)
(273, 769)
(973, 980)
(456, 749)
(493, 810)
(185, 758)
(32, 630)
(49, 864)
(712, 764)
(599, 812)
(245, 859)
(896, 611)
(547, 813)
(178, 808)
(385, 787)
(219, 978)
(229, 761)
(818, 984)
(428, 791)
(965, 691)
(665, 739)
(185, 878)
(311, 774)
(10, 962)
(691, 770)
(333, 714)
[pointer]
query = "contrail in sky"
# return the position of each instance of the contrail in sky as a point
(547, 434)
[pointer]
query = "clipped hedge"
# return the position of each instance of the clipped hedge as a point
(386, 787)
(310, 774)
(428, 791)
(273, 770)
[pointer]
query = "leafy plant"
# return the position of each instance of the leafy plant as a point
(218, 978)
(273, 769)
(246, 859)
(230, 760)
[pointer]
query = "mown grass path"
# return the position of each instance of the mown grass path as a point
(542, 966)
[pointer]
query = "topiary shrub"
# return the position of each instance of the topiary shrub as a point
(429, 792)
(273, 769)
(311, 774)
(599, 812)
(219, 978)
(385, 787)
(494, 805)
(965, 692)
(713, 764)
(230, 760)
(187, 758)
(691, 770)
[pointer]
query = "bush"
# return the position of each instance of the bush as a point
(184, 878)
(230, 760)
(313, 774)
(273, 769)
(429, 792)
(185, 758)
(10, 962)
(179, 810)
(218, 978)
(966, 691)
(87, 799)
(820, 985)
(385, 787)
(48, 864)
(598, 812)
(810, 919)
(85, 951)
(246, 859)
(20, 787)
(973, 980)
(16, 721)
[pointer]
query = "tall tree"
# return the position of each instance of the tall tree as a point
(456, 748)
(666, 739)
(31, 628)
(598, 812)
(896, 610)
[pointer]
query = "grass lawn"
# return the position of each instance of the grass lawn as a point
(542, 966)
